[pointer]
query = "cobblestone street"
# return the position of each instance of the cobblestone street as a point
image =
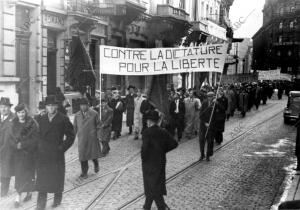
(244, 174)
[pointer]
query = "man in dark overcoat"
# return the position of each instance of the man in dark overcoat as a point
(220, 109)
(51, 148)
(118, 107)
(6, 152)
(207, 126)
(177, 112)
(146, 107)
(129, 101)
(156, 143)
(105, 125)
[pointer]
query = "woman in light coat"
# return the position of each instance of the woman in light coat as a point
(138, 116)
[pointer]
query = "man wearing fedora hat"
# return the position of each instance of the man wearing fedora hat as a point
(6, 152)
(156, 143)
(56, 137)
(87, 128)
(129, 101)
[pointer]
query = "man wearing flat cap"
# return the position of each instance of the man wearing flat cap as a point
(87, 128)
(56, 137)
(156, 143)
(6, 152)
(129, 101)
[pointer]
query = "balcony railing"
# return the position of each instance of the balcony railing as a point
(170, 11)
(109, 7)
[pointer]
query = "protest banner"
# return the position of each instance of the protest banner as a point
(155, 61)
(263, 75)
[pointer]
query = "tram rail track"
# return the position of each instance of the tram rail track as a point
(131, 161)
(196, 163)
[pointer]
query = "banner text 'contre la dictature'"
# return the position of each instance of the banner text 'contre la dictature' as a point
(143, 61)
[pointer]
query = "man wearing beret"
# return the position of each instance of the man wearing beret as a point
(87, 128)
(6, 152)
(54, 126)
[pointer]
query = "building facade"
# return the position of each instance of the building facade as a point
(241, 52)
(277, 43)
(37, 35)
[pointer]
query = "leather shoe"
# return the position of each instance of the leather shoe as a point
(54, 205)
(207, 158)
(28, 197)
(83, 176)
(96, 169)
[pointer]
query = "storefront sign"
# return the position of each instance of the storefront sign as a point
(55, 21)
(216, 30)
(142, 61)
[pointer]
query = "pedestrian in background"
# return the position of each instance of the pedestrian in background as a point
(207, 127)
(146, 107)
(87, 128)
(41, 111)
(220, 111)
(191, 105)
(56, 135)
(156, 143)
(129, 101)
(105, 124)
(243, 102)
(118, 107)
(23, 137)
(177, 112)
(138, 116)
(6, 151)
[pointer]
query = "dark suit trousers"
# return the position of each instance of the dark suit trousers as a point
(159, 201)
(209, 140)
(85, 165)
(219, 137)
(4, 185)
(42, 200)
(177, 123)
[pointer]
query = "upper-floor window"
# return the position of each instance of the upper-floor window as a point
(182, 4)
(211, 13)
(207, 10)
(291, 24)
(280, 25)
(281, 10)
(292, 9)
(280, 39)
(168, 2)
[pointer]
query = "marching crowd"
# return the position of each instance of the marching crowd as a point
(32, 148)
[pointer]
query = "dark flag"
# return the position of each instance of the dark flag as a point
(80, 70)
(159, 95)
